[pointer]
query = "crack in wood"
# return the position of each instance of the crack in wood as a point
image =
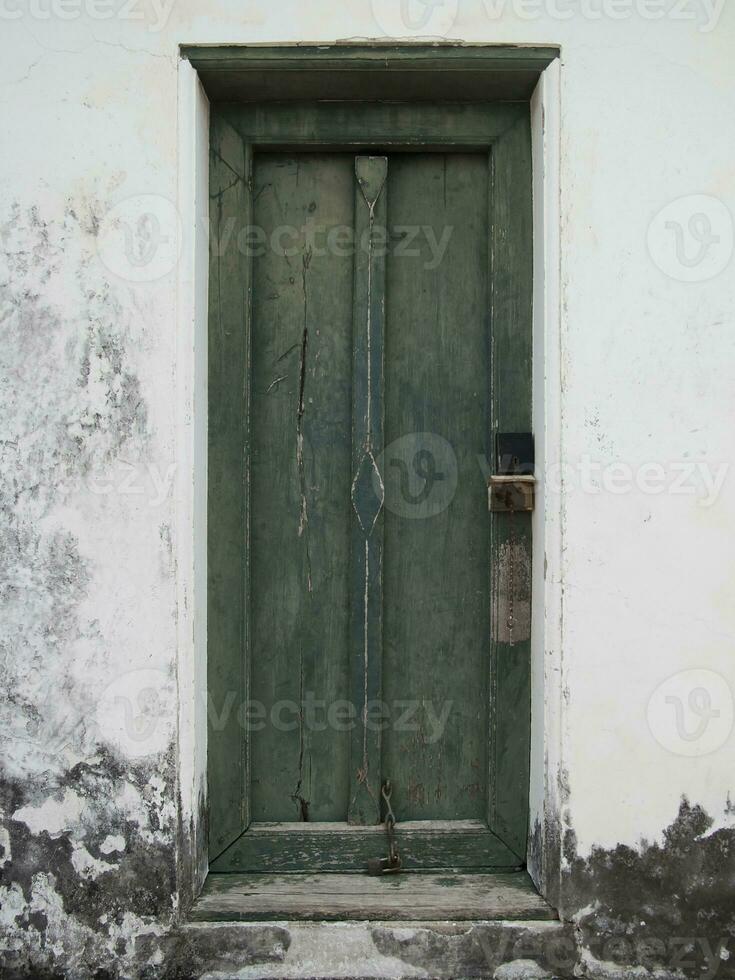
(297, 795)
(304, 514)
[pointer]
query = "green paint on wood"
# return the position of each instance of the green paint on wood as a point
(300, 461)
(366, 638)
(341, 847)
(416, 73)
(228, 496)
(295, 517)
(374, 124)
(511, 303)
(437, 555)
(389, 56)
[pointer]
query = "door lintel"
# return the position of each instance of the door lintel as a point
(390, 72)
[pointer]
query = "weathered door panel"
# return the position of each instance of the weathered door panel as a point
(300, 485)
(374, 579)
(367, 490)
(437, 536)
(228, 498)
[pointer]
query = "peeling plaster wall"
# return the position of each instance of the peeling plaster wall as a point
(89, 758)
(93, 831)
(88, 796)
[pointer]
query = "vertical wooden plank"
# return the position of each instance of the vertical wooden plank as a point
(436, 564)
(511, 311)
(301, 475)
(228, 478)
(367, 491)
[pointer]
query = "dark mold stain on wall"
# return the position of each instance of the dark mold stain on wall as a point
(666, 906)
(139, 881)
(185, 954)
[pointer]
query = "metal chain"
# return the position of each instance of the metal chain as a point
(391, 864)
(390, 823)
(511, 575)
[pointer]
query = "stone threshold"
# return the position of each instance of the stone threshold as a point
(354, 927)
(350, 897)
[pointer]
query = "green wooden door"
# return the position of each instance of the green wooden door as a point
(362, 374)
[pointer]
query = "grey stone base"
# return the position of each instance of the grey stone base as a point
(328, 951)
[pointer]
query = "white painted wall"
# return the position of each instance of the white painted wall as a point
(547, 607)
(641, 582)
(191, 511)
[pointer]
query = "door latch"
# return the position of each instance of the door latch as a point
(511, 487)
(511, 493)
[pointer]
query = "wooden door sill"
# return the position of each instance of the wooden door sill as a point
(409, 897)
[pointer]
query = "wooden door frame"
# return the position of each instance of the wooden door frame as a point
(460, 74)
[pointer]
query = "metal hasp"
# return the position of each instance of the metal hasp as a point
(511, 488)
(511, 493)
